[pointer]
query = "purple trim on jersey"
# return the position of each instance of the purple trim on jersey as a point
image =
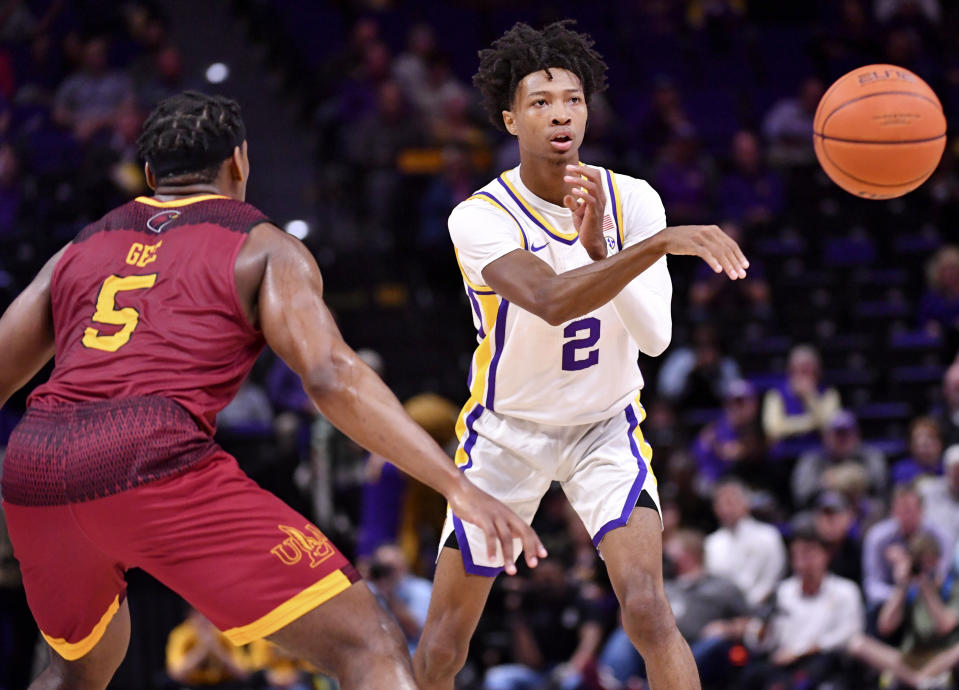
(534, 218)
(464, 544)
(633, 495)
(468, 564)
(612, 197)
(471, 435)
(476, 309)
(503, 206)
(499, 337)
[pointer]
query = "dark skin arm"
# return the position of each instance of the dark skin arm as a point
(26, 333)
(280, 284)
(527, 281)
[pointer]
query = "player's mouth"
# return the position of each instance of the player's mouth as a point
(561, 142)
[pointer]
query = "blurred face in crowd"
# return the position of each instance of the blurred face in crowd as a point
(730, 504)
(833, 524)
(842, 442)
(925, 444)
(548, 115)
(907, 510)
(809, 559)
(95, 56)
(952, 477)
(809, 94)
(947, 273)
(746, 152)
(741, 409)
(950, 387)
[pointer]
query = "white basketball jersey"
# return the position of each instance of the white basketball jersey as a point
(581, 371)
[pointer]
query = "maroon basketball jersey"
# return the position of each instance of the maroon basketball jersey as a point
(145, 303)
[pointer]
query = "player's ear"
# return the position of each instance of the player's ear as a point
(509, 122)
(150, 177)
(238, 163)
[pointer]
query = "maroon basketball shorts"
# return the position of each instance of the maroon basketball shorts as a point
(235, 552)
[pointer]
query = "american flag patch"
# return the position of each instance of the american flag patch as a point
(607, 223)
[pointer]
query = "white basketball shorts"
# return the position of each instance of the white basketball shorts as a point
(603, 468)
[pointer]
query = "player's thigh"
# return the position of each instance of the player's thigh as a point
(94, 669)
(634, 552)
(350, 627)
(496, 456)
(237, 553)
(613, 476)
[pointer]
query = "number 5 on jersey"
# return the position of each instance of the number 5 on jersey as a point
(108, 314)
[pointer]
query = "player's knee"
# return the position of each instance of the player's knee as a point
(646, 613)
(439, 656)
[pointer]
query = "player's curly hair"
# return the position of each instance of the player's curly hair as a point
(523, 50)
(188, 136)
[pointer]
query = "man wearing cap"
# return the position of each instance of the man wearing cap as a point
(817, 614)
(940, 497)
(835, 522)
(841, 444)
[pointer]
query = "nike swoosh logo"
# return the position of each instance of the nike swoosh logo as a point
(534, 248)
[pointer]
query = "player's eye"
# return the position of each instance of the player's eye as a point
(539, 101)
(576, 99)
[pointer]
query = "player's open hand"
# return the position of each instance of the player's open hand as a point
(709, 243)
(587, 201)
(499, 524)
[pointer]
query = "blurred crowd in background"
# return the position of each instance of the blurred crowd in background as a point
(805, 422)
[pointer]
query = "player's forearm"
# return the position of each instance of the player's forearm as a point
(359, 404)
(645, 312)
(585, 289)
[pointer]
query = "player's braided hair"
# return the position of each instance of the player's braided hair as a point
(188, 136)
(523, 50)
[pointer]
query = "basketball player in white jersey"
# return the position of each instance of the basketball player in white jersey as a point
(564, 266)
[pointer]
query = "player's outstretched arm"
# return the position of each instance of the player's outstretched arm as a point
(26, 333)
(300, 329)
(524, 279)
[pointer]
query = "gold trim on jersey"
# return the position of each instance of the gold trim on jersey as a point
(618, 208)
(645, 450)
(149, 201)
(290, 610)
(536, 215)
(71, 651)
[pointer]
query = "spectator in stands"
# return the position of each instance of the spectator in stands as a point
(841, 444)
(410, 67)
(749, 192)
(922, 611)
(709, 295)
(404, 595)
(11, 194)
(947, 415)
(665, 118)
(817, 613)
(710, 611)
(788, 125)
(695, 376)
(684, 178)
(798, 409)
(925, 452)
(199, 654)
(747, 552)
(939, 306)
(431, 96)
(940, 498)
(835, 522)
(88, 101)
(556, 632)
(886, 541)
(733, 444)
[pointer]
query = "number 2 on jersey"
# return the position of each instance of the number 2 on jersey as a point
(108, 314)
(571, 359)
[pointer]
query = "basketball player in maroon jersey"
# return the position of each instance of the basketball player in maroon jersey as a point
(156, 313)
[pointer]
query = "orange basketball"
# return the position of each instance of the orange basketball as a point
(879, 131)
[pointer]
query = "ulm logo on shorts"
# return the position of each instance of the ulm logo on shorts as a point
(290, 551)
